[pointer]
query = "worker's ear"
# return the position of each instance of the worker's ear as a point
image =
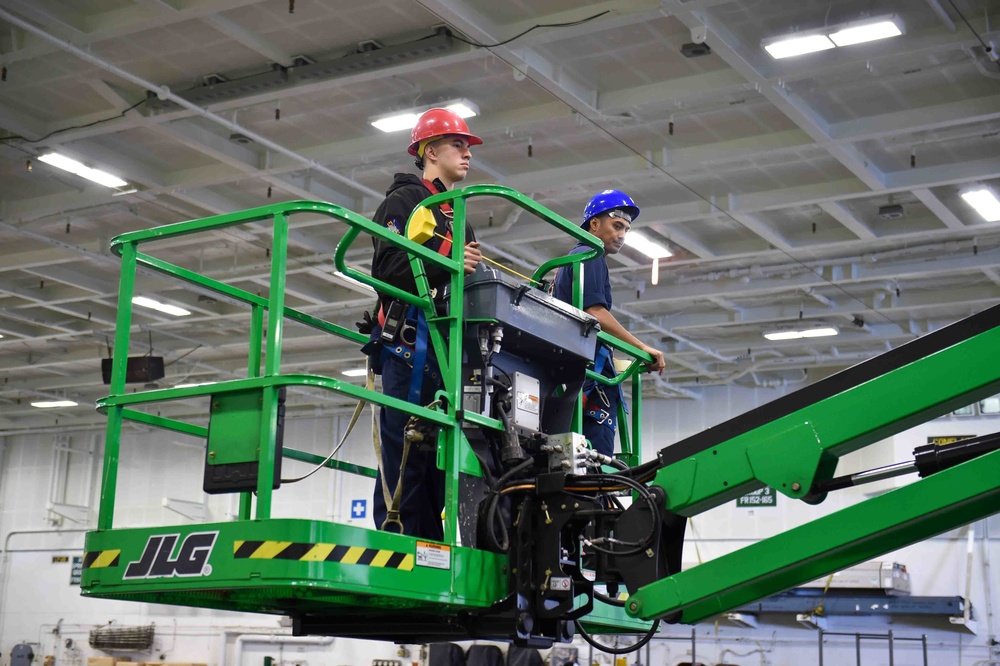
(430, 152)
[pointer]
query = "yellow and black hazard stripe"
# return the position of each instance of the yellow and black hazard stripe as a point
(99, 559)
(322, 552)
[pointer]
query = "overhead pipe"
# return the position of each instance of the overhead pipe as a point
(776, 364)
(164, 93)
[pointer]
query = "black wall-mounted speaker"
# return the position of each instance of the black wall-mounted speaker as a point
(139, 370)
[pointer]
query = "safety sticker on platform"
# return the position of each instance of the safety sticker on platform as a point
(322, 552)
(433, 555)
(98, 559)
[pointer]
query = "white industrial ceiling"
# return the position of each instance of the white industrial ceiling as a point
(765, 178)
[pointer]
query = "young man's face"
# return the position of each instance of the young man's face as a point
(611, 230)
(452, 156)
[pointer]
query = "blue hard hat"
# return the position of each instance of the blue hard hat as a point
(607, 200)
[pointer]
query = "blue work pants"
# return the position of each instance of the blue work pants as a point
(595, 428)
(422, 500)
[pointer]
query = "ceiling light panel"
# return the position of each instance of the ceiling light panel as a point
(74, 167)
(795, 46)
(867, 32)
(985, 203)
(650, 248)
(161, 307)
(406, 119)
(53, 404)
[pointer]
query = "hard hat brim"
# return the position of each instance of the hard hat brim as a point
(471, 138)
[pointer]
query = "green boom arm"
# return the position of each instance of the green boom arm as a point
(794, 443)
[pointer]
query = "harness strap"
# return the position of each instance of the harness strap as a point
(392, 506)
(419, 359)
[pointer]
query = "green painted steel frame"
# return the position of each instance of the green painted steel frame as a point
(476, 579)
(793, 452)
(901, 517)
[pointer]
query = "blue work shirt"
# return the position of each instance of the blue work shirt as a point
(596, 281)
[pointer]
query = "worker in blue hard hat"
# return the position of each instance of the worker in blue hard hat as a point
(609, 216)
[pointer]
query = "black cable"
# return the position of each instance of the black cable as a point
(611, 601)
(66, 129)
(610, 650)
(494, 502)
(522, 34)
(187, 353)
(973, 30)
(637, 546)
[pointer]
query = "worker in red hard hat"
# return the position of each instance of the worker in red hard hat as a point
(410, 500)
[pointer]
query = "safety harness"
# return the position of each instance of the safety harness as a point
(594, 396)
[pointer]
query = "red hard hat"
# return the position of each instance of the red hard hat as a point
(439, 122)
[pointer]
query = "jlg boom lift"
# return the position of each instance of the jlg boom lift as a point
(538, 542)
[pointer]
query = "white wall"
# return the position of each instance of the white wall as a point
(38, 605)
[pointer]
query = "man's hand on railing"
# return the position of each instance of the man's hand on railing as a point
(658, 363)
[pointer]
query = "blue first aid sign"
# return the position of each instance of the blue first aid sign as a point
(359, 508)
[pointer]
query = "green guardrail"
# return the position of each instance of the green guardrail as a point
(264, 364)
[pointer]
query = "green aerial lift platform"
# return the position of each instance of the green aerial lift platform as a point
(551, 525)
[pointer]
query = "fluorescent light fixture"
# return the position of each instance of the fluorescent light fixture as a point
(403, 120)
(463, 107)
(354, 372)
(820, 332)
(650, 248)
(162, 307)
(868, 32)
(793, 46)
(783, 335)
(395, 123)
(823, 332)
(71, 165)
(845, 34)
(985, 203)
(50, 404)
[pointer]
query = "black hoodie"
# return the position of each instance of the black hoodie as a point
(392, 264)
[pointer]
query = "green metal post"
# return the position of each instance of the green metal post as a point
(253, 371)
(272, 366)
(113, 432)
(453, 380)
(577, 296)
(632, 452)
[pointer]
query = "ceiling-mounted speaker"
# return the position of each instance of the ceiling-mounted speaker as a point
(138, 369)
(891, 212)
(695, 49)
